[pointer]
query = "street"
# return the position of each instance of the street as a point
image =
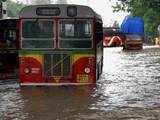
(129, 89)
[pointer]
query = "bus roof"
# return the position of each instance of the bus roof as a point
(9, 19)
(82, 11)
(8, 23)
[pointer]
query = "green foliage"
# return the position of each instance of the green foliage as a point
(152, 20)
(3, 0)
(147, 9)
(13, 8)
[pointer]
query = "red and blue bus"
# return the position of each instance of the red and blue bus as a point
(60, 44)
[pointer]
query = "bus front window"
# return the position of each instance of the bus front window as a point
(37, 33)
(75, 34)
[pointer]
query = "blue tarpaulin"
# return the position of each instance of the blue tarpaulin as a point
(132, 25)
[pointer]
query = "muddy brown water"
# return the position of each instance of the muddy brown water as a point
(129, 89)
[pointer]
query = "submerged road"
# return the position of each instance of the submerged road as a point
(129, 89)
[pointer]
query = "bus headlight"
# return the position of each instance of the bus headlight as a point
(87, 70)
(26, 70)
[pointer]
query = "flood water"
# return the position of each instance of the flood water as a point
(129, 89)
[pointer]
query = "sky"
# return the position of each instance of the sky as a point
(102, 7)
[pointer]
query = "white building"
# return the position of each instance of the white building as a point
(61, 2)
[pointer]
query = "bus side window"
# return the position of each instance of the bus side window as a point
(11, 38)
(99, 31)
(2, 36)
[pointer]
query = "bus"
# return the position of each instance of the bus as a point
(8, 48)
(60, 44)
(113, 37)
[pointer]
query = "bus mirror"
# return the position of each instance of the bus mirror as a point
(100, 35)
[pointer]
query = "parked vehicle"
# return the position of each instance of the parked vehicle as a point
(113, 37)
(60, 44)
(133, 28)
(8, 48)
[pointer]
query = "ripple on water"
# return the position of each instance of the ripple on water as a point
(131, 78)
(129, 89)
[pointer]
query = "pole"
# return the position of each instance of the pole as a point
(1, 10)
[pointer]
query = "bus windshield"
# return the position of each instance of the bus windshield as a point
(37, 33)
(75, 34)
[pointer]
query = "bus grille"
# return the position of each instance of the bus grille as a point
(57, 64)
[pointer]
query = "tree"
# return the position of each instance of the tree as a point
(147, 9)
(2, 0)
(115, 24)
(13, 8)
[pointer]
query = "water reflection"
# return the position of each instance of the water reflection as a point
(11, 103)
(129, 89)
(59, 102)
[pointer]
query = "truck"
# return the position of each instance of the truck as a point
(133, 28)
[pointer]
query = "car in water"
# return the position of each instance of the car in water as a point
(113, 37)
(113, 41)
